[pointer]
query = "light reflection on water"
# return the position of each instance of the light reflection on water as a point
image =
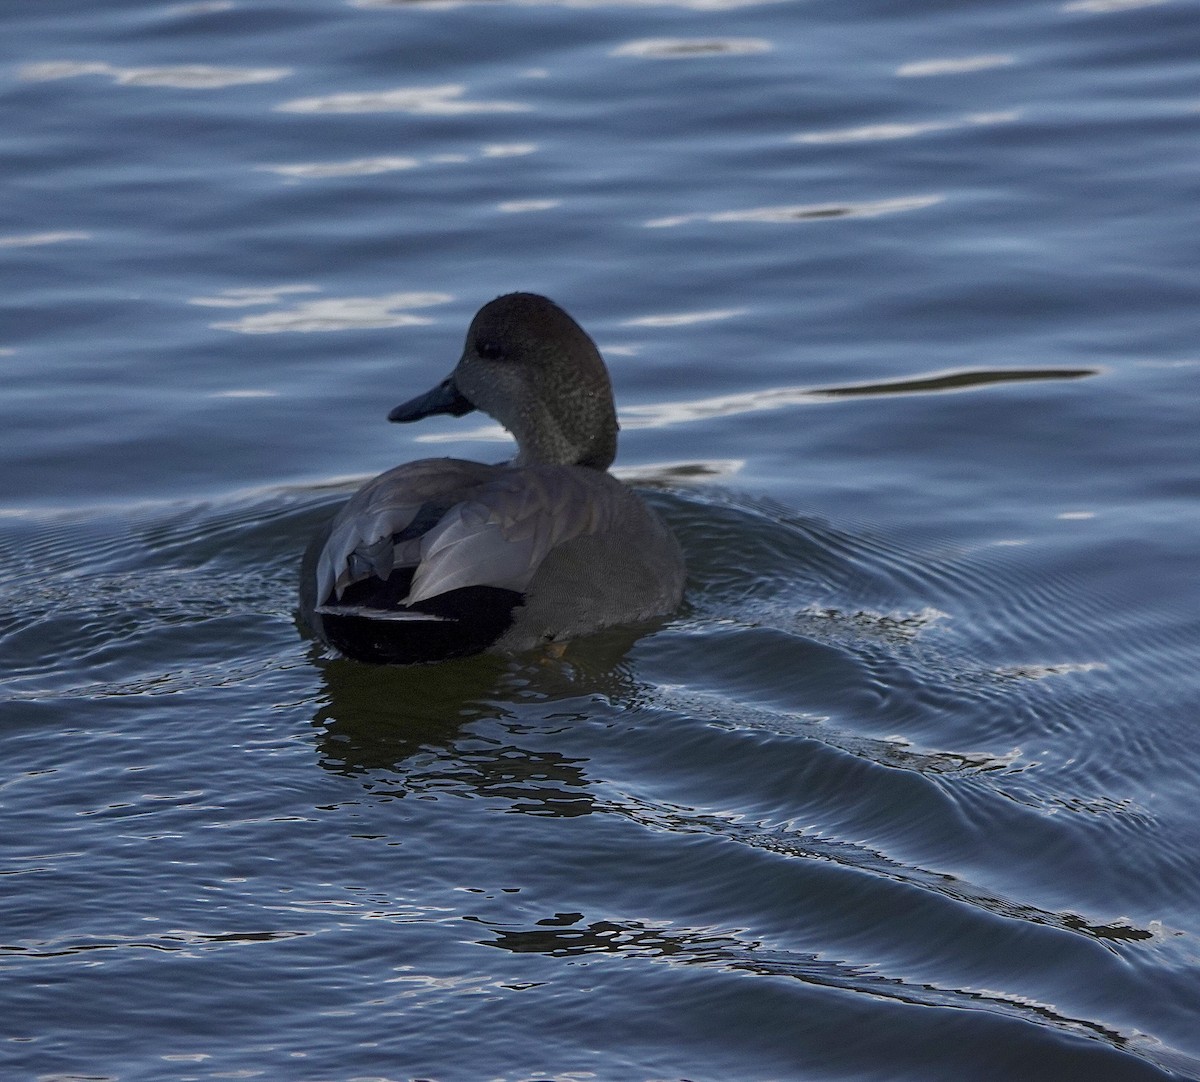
(528, 206)
(447, 100)
(35, 240)
(815, 212)
(358, 167)
(683, 319)
(691, 48)
(325, 314)
(693, 5)
(901, 131)
(962, 65)
(181, 77)
(1101, 7)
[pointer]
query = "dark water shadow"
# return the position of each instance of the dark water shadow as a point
(454, 728)
(572, 936)
(954, 381)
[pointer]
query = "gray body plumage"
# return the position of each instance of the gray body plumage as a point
(546, 548)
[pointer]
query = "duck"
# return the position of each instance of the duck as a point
(445, 557)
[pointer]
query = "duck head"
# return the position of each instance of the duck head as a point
(533, 368)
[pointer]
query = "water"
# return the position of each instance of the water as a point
(900, 308)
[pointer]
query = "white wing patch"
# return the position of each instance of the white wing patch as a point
(392, 615)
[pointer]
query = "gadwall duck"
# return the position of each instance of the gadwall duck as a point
(442, 557)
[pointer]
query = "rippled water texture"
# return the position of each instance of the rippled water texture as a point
(899, 303)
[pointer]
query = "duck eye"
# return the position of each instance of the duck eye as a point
(489, 349)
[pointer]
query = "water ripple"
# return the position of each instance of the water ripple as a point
(876, 132)
(108, 608)
(446, 100)
(1100, 7)
(325, 314)
(527, 206)
(37, 240)
(179, 76)
(813, 212)
(960, 65)
(684, 319)
(571, 935)
(355, 167)
(692, 5)
(180, 941)
(691, 48)
(656, 415)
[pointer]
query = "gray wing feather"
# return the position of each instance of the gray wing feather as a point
(360, 539)
(501, 537)
(360, 546)
(500, 528)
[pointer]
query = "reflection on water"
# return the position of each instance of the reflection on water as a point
(373, 718)
(357, 167)
(413, 731)
(668, 413)
(447, 100)
(366, 167)
(1093, 7)
(694, 5)
(35, 240)
(201, 7)
(667, 474)
(960, 65)
(807, 213)
(508, 150)
(253, 296)
(683, 319)
(566, 935)
(956, 381)
(873, 132)
(527, 206)
(326, 314)
(180, 77)
(691, 48)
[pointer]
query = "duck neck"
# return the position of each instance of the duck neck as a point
(589, 440)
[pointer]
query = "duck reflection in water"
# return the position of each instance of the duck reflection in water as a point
(456, 727)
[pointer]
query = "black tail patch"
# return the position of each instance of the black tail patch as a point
(464, 621)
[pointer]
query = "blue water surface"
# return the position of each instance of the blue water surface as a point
(899, 303)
